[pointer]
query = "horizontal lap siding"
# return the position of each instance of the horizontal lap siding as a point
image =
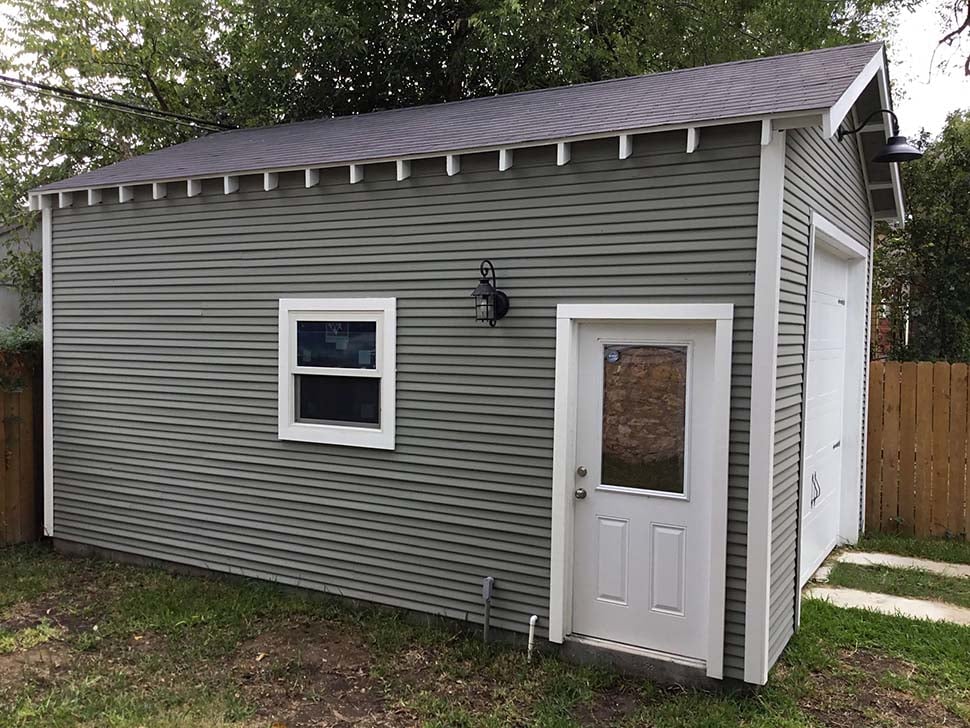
(825, 176)
(165, 351)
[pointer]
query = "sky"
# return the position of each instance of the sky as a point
(923, 92)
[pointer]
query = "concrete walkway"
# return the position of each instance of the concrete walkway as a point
(864, 558)
(887, 604)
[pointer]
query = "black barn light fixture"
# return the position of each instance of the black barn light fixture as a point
(491, 304)
(897, 149)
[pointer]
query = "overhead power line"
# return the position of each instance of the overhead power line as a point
(107, 102)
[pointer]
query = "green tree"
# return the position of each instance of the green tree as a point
(922, 271)
(252, 62)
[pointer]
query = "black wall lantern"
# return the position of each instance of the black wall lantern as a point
(897, 149)
(491, 304)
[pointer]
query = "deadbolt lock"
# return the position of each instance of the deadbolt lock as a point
(581, 471)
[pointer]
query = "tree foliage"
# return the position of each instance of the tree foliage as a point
(252, 62)
(922, 271)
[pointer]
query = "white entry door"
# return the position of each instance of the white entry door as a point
(824, 398)
(642, 499)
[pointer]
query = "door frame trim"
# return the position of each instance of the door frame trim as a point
(568, 318)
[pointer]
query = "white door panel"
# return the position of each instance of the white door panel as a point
(824, 402)
(641, 534)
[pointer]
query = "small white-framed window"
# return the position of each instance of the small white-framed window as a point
(337, 371)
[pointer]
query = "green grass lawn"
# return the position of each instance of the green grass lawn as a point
(90, 643)
(936, 549)
(902, 582)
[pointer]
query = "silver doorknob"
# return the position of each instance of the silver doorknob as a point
(580, 493)
(581, 471)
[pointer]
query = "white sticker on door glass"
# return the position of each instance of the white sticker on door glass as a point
(644, 417)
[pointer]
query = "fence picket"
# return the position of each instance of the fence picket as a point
(957, 490)
(941, 446)
(890, 447)
(907, 449)
(923, 478)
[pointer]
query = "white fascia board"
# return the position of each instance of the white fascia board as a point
(785, 120)
(834, 117)
(453, 164)
(65, 199)
(764, 360)
(230, 184)
(886, 101)
(403, 169)
(159, 190)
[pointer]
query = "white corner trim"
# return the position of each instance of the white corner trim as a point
(568, 318)
(311, 177)
(764, 359)
(563, 153)
(833, 118)
(403, 167)
(383, 311)
(453, 164)
(159, 190)
(47, 295)
(505, 157)
(625, 146)
(693, 139)
(356, 173)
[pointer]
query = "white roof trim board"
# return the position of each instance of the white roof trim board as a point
(815, 88)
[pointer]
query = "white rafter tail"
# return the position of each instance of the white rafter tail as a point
(766, 131)
(126, 193)
(193, 187)
(230, 184)
(159, 190)
(47, 201)
(33, 203)
(626, 146)
(271, 180)
(65, 199)
(403, 169)
(453, 164)
(504, 159)
(94, 196)
(563, 152)
(311, 177)
(693, 139)
(356, 174)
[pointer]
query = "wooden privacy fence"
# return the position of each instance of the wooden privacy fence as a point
(20, 491)
(916, 456)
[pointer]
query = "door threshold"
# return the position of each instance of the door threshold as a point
(635, 651)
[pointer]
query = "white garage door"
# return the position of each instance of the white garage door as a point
(822, 484)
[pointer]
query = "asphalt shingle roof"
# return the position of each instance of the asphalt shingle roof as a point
(797, 82)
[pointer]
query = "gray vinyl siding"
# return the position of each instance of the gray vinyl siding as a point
(826, 176)
(165, 363)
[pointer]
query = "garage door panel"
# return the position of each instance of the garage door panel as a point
(824, 403)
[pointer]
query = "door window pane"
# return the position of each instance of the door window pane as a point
(322, 399)
(345, 344)
(644, 417)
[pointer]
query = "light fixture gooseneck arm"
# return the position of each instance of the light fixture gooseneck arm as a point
(846, 132)
(488, 271)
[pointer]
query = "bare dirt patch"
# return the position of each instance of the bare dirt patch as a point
(42, 663)
(310, 673)
(866, 699)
